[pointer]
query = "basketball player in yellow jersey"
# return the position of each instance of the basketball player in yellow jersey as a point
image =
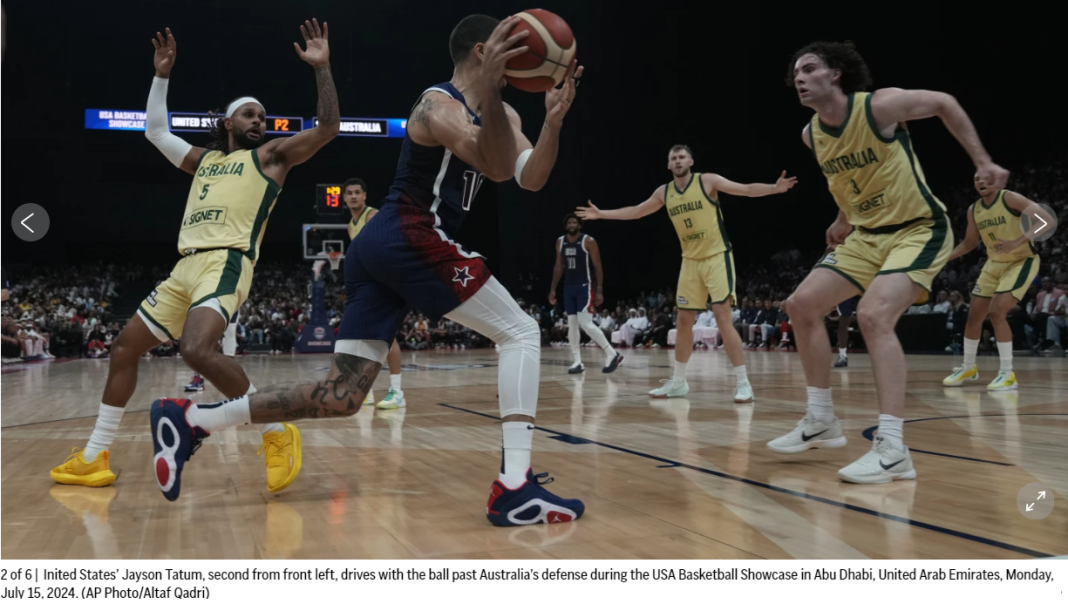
(236, 182)
(355, 193)
(693, 204)
(902, 240)
(1011, 267)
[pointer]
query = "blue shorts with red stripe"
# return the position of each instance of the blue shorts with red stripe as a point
(399, 261)
(578, 298)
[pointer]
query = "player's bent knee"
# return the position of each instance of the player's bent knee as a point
(585, 320)
(876, 318)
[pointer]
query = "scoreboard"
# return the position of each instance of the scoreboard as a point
(329, 201)
(124, 120)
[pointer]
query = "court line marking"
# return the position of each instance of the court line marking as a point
(848, 506)
(870, 432)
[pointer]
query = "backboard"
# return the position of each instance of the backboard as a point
(319, 239)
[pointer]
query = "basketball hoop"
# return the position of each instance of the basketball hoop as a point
(335, 260)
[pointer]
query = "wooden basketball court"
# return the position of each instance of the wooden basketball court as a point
(663, 479)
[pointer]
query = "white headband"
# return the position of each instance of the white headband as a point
(241, 101)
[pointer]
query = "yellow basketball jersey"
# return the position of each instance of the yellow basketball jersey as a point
(228, 204)
(356, 224)
(697, 219)
(998, 222)
(876, 181)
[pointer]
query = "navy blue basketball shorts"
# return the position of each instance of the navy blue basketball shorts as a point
(400, 261)
(578, 298)
(847, 308)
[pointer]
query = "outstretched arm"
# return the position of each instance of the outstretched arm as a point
(179, 152)
(971, 237)
(558, 272)
(891, 106)
(714, 182)
(654, 203)
(299, 148)
(1023, 205)
(534, 165)
(595, 257)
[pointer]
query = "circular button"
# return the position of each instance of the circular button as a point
(30, 222)
(1035, 501)
(1037, 228)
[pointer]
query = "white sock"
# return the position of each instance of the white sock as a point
(842, 352)
(218, 416)
(820, 405)
(680, 372)
(893, 430)
(970, 348)
(518, 441)
(1005, 352)
(395, 381)
(107, 425)
(740, 375)
(574, 337)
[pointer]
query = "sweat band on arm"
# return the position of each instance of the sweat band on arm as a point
(519, 163)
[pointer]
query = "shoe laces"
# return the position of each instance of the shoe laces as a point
(74, 453)
(273, 446)
(538, 479)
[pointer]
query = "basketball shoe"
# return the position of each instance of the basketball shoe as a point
(394, 400)
(174, 441)
(810, 434)
(79, 471)
(283, 457)
(576, 368)
(884, 463)
(613, 364)
(960, 374)
(1006, 380)
(530, 504)
(196, 384)
(671, 388)
(743, 393)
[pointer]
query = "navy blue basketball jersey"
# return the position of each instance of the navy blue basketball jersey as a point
(435, 180)
(576, 261)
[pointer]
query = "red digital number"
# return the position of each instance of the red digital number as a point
(333, 195)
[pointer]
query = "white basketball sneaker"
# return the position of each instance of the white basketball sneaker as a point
(744, 393)
(810, 434)
(671, 388)
(884, 463)
(394, 400)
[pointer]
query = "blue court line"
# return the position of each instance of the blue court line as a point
(870, 434)
(848, 506)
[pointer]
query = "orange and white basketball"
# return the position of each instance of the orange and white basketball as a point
(551, 50)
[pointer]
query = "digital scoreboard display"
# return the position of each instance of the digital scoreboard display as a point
(119, 119)
(330, 200)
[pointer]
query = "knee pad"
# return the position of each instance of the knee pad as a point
(374, 350)
(524, 335)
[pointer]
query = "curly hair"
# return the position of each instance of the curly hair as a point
(220, 137)
(836, 55)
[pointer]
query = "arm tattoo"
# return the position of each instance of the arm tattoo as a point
(422, 111)
(337, 396)
(329, 111)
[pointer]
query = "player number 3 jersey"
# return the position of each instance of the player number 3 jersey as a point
(877, 181)
(228, 204)
(697, 219)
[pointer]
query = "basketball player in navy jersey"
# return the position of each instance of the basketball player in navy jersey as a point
(459, 134)
(575, 252)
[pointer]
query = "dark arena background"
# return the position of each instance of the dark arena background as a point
(677, 478)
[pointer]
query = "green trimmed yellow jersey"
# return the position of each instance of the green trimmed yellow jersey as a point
(998, 222)
(877, 181)
(697, 219)
(228, 204)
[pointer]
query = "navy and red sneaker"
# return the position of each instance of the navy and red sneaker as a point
(616, 362)
(196, 384)
(174, 442)
(530, 504)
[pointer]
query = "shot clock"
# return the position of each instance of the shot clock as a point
(329, 201)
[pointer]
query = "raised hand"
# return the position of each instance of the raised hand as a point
(498, 51)
(590, 213)
(558, 100)
(784, 184)
(166, 50)
(318, 53)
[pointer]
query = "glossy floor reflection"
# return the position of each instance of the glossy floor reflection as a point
(667, 479)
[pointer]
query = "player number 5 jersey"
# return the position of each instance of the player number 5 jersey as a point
(228, 204)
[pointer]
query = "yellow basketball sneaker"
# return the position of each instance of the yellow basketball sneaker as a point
(283, 457)
(960, 374)
(1006, 380)
(78, 471)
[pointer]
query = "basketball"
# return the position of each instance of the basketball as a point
(551, 50)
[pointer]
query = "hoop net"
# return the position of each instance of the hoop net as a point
(335, 260)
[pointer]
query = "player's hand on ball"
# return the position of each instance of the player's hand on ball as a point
(784, 184)
(993, 175)
(318, 53)
(552, 298)
(498, 50)
(166, 49)
(590, 213)
(558, 100)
